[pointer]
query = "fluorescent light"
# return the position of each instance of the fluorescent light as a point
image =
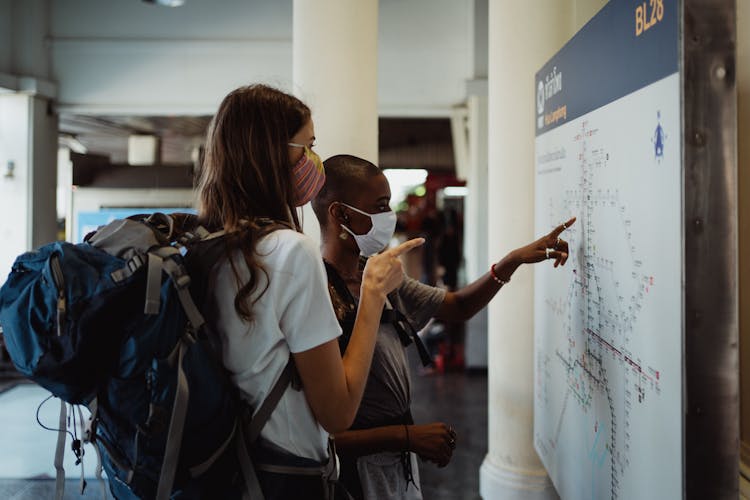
(72, 143)
(458, 191)
(166, 3)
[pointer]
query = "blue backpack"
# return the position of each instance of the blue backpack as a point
(112, 324)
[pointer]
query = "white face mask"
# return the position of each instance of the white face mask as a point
(379, 235)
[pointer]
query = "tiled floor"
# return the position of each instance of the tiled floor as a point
(459, 400)
(27, 471)
(26, 464)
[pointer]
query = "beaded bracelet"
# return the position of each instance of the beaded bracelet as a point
(501, 282)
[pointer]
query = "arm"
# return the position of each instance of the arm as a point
(368, 441)
(434, 442)
(466, 302)
(334, 385)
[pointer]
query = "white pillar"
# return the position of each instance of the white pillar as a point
(475, 203)
(28, 176)
(28, 132)
(476, 216)
(522, 36)
(335, 72)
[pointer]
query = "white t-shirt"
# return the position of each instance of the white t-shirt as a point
(293, 314)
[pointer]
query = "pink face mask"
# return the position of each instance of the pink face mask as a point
(309, 175)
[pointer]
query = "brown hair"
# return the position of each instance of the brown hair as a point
(246, 172)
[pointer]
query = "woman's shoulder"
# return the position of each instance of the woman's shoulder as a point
(288, 244)
(290, 239)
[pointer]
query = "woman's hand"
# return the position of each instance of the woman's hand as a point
(383, 272)
(550, 246)
(434, 442)
(334, 385)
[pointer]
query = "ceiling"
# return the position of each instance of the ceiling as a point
(108, 135)
(403, 142)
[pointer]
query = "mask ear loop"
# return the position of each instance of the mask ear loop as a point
(356, 209)
(346, 217)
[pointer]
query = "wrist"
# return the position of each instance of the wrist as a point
(372, 291)
(493, 274)
(502, 270)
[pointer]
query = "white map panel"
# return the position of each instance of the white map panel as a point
(608, 325)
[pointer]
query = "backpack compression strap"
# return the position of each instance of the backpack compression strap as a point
(176, 426)
(60, 475)
(179, 409)
(60, 449)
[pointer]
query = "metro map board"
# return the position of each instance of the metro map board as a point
(608, 326)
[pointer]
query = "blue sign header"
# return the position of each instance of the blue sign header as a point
(626, 46)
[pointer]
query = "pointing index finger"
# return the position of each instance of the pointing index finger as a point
(405, 246)
(562, 227)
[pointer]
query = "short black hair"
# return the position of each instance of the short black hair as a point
(346, 175)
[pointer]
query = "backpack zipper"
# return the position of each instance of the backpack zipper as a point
(58, 278)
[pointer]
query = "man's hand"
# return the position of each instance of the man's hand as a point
(434, 442)
(549, 246)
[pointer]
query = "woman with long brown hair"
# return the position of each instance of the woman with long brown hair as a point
(270, 297)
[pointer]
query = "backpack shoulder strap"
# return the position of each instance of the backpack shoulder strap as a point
(261, 416)
(247, 436)
(406, 331)
(208, 248)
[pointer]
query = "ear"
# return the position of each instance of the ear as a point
(338, 212)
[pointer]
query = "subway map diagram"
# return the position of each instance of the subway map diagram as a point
(608, 325)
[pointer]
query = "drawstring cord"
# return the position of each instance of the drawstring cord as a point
(406, 462)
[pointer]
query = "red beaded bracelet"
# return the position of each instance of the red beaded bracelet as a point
(501, 282)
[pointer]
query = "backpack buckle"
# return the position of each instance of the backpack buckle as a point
(135, 263)
(132, 265)
(182, 281)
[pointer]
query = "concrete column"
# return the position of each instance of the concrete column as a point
(475, 203)
(522, 36)
(28, 176)
(334, 68)
(28, 132)
(475, 215)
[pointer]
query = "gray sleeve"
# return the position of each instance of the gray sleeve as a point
(420, 302)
